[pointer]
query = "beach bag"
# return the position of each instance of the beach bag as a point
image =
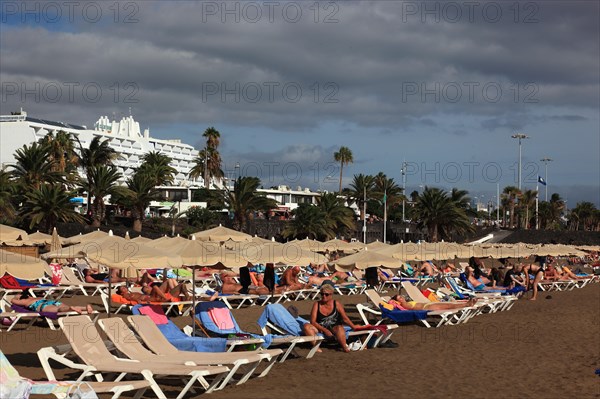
(83, 390)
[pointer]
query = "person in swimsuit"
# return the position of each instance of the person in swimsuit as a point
(537, 271)
(328, 317)
(477, 283)
(399, 302)
(155, 295)
(48, 305)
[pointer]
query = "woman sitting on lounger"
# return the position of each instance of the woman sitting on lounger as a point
(48, 305)
(477, 283)
(399, 302)
(328, 317)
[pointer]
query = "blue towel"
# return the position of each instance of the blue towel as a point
(403, 316)
(278, 315)
(181, 341)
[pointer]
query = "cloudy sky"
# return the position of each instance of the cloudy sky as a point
(441, 85)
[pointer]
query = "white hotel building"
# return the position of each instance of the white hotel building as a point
(126, 138)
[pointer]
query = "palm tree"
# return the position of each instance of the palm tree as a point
(207, 165)
(210, 157)
(584, 214)
(362, 186)
(244, 199)
(137, 196)
(33, 167)
(98, 153)
(61, 149)
(47, 205)
(336, 214)
(7, 193)
(309, 221)
(511, 193)
(344, 157)
(527, 201)
(102, 182)
(158, 167)
(557, 206)
(441, 216)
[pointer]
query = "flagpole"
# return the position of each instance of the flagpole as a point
(537, 201)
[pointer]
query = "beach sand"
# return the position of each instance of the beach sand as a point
(547, 348)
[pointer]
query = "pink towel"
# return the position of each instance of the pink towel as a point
(222, 318)
(56, 273)
(155, 312)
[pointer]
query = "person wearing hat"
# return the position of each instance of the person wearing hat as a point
(328, 317)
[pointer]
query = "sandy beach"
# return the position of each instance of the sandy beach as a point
(546, 348)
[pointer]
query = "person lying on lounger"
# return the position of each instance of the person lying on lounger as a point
(154, 295)
(170, 286)
(477, 282)
(328, 317)
(426, 269)
(48, 305)
(231, 287)
(399, 302)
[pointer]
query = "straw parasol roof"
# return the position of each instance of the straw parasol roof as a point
(81, 238)
(9, 233)
(283, 254)
(308, 244)
(221, 233)
(119, 253)
(340, 245)
(377, 245)
(21, 266)
(365, 259)
(39, 238)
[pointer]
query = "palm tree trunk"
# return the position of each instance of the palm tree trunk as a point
(341, 170)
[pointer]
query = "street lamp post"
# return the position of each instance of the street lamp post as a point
(403, 171)
(519, 136)
(545, 160)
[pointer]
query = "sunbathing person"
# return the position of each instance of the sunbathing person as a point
(399, 302)
(328, 317)
(155, 295)
(336, 278)
(426, 268)
(566, 274)
(48, 305)
(477, 282)
(289, 279)
(170, 286)
(513, 277)
(231, 287)
(92, 276)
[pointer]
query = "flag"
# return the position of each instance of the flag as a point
(541, 181)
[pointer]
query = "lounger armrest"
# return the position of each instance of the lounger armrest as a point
(48, 353)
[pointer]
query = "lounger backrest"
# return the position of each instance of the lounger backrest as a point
(124, 339)
(373, 296)
(414, 292)
(70, 276)
(85, 339)
(151, 335)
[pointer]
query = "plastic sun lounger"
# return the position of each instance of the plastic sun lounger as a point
(159, 344)
(182, 308)
(126, 342)
(451, 317)
(493, 299)
(397, 316)
(96, 358)
(60, 389)
(71, 280)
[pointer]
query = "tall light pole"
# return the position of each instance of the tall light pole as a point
(519, 136)
(403, 171)
(545, 160)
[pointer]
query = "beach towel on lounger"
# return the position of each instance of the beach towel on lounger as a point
(202, 313)
(178, 338)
